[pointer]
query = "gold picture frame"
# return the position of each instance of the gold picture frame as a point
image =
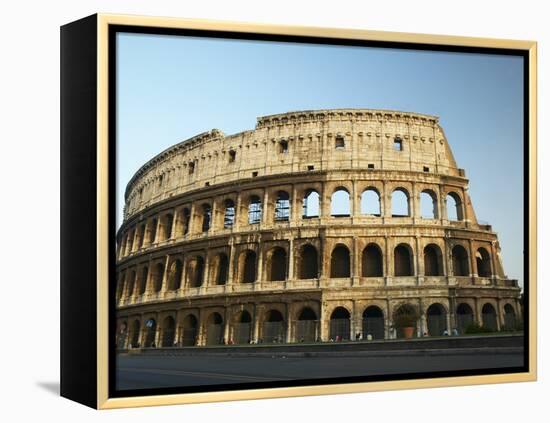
(94, 31)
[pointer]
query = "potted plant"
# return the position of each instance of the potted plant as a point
(406, 321)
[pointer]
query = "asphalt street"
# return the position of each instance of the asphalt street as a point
(162, 371)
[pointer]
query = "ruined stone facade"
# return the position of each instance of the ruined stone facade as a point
(292, 232)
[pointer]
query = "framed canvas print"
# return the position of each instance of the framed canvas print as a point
(254, 211)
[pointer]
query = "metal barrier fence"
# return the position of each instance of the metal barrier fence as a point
(339, 329)
(306, 330)
(273, 333)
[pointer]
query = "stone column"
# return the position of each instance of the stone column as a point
(206, 272)
(164, 286)
(256, 329)
(442, 209)
(294, 217)
(414, 205)
(265, 208)
(354, 209)
(288, 324)
(157, 232)
(238, 212)
(290, 273)
(227, 321)
(419, 270)
(259, 275)
(356, 259)
(174, 224)
(473, 262)
(494, 275)
(388, 261)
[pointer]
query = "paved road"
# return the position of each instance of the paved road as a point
(156, 371)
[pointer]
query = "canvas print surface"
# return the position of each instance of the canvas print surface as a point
(295, 213)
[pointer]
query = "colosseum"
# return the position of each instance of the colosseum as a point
(316, 226)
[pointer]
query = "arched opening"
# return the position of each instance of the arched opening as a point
(371, 261)
(282, 206)
(158, 276)
(400, 203)
(340, 324)
(308, 262)
(283, 146)
(306, 326)
(510, 322)
(274, 328)
(206, 217)
(186, 218)
(134, 335)
(232, 156)
(174, 280)
(461, 266)
(402, 259)
(436, 320)
(229, 215)
(428, 204)
(143, 280)
(130, 242)
(167, 222)
(121, 336)
(222, 269)
(214, 329)
(370, 202)
(340, 204)
(254, 210)
(153, 231)
(489, 317)
(433, 260)
(276, 270)
(140, 236)
(248, 266)
(311, 204)
(464, 317)
(120, 286)
(189, 335)
(373, 323)
(150, 333)
(405, 320)
(243, 328)
(454, 207)
(483, 261)
(195, 272)
(168, 332)
(131, 284)
(340, 262)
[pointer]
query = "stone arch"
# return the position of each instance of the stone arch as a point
(464, 317)
(214, 329)
(428, 204)
(461, 265)
(400, 203)
(340, 262)
(373, 322)
(308, 265)
(454, 206)
(229, 213)
(206, 217)
(195, 271)
(436, 319)
(254, 210)
(405, 316)
(131, 285)
(150, 333)
(433, 260)
(135, 330)
(174, 278)
(276, 264)
(140, 236)
(247, 266)
(168, 332)
(158, 276)
(403, 260)
(372, 261)
(220, 267)
(190, 326)
(340, 203)
(510, 320)
(143, 280)
(370, 202)
(311, 204)
(306, 327)
(489, 317)
(166, 226)
(242, 329)
(340, 327)
(274, 327)
(483, 261)
(282, 206)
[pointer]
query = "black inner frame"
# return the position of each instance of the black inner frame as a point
(112, 32)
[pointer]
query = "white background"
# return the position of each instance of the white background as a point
(29, 136)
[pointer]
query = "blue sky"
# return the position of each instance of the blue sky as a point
(171, 88)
